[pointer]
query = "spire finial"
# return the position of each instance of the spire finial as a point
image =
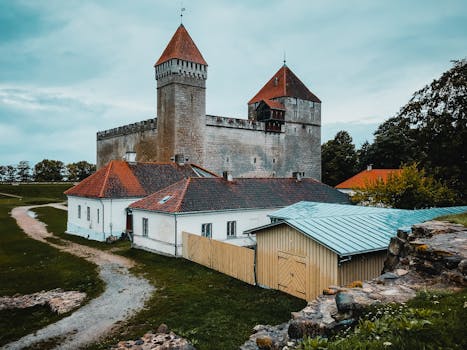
(285, 58)
(181, 12)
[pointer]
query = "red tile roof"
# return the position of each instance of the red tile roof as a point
(284, 83)
(183, 47)
(119, 179)
(206, 194)
(367, 177)
(274, 104)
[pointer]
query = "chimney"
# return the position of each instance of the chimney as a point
(369, 167)
(227, 176)
(180, 159)
(130, 157)
(297, 175)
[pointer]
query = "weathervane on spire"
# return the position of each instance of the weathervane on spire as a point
(181, 12)
(285, 58)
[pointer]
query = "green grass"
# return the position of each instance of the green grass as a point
(455, 218)
(36, 192)
(28, 266)
(434, 320)
(211, 309)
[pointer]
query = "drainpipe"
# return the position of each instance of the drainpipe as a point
(175, 216)
(103, 218)
(255, 272)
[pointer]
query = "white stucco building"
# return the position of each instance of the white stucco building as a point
(97, 206)
(219, 208)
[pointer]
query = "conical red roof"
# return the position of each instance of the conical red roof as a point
(181, 46)
(284, 83)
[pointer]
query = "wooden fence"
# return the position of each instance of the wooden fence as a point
(238, 262)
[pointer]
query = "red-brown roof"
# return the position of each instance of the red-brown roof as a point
(119, 179)
(365, 177)
(207, 194)
(284, 83)
(274, 104)
(181, 46)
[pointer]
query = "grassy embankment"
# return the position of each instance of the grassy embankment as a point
(211, 309)
(433, 320)
(28, 266)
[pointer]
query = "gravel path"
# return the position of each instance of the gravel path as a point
(124, 294)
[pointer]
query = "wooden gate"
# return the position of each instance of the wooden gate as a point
(292, 273)
(238, 262)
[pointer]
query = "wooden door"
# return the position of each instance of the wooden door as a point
(292, 272)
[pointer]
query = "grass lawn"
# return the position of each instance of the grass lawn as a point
(211, 309)
(28, 266)
(455, 218)
(37, 193)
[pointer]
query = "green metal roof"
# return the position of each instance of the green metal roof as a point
(350, 229)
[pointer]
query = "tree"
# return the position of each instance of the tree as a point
(2, 172)
(365, 156)
(23, 171)
(49, 170)
(10, 173)
(80, 170)
(338, 159)
(409, 189)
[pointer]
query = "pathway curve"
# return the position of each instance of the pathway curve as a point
(124, 295)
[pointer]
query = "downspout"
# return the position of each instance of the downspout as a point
(110, 218)
(255, 272)
(103, 218)
(175, 240)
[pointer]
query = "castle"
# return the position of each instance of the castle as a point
(281, 136)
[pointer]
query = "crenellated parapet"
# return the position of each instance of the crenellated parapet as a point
(237, 123)
(145, 125)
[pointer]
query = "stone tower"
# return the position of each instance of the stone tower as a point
(286, 105)
(181, 74)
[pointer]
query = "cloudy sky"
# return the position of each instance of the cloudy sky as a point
(71, 68)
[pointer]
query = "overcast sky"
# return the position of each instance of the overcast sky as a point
(71, 68)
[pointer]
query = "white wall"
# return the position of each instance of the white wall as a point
(111, 221)
(161, 227)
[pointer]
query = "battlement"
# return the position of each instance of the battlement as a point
(236, 123)
(145, 125)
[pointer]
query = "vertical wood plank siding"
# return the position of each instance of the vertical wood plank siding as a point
(321, 263)
(362, 267)
(227, 258)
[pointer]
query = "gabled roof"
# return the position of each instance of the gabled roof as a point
(181, 46)
(367, 177)
(284, 83)
(350, 229)
(119, 179)
(274, 104)
(212, 194)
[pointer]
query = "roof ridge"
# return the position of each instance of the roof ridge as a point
(177, 208)
(107, 174)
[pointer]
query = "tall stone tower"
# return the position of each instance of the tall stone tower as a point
(181, 74)
(285, 104)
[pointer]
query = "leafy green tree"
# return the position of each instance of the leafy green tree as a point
(23, 171)
(412, 188)
(338, 159)
(49, 170)
(10, 173)
(80, 170)
(2, 172)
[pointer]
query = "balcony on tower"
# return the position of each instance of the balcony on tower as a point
(272, 113)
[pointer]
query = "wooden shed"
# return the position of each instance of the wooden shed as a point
(309, 246)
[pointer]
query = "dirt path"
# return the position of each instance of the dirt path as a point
(124, 294)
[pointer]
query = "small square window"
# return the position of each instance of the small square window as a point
(206, 230)
(145, 227)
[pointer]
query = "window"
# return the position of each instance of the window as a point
(98, 215)
(145, 227)
(231, 229)
(79, 211)
(88, 213)
(206, 230)
(165, 199)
